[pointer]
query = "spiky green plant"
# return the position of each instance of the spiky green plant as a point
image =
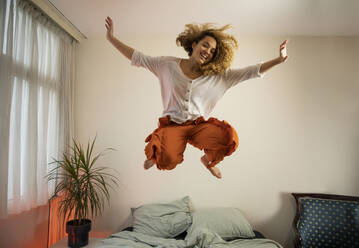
(83, 187)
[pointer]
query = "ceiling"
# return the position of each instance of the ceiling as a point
(248, 17)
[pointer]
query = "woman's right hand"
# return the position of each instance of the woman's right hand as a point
(123, 48)
(109, 26)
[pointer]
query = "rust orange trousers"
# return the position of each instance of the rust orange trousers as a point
(167, 143)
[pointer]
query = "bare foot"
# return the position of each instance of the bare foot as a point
(214, 170)
(204, 160)
(148, 164)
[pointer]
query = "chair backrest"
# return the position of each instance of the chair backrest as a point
(325, 220)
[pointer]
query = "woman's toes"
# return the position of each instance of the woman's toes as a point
(148, 164)
(215, 172)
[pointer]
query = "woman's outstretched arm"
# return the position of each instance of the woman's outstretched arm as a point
(282, 57)
(123, 48)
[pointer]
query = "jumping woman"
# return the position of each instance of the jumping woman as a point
(190, 88)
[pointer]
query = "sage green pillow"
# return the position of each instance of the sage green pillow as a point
(165, 220)
(228, 223)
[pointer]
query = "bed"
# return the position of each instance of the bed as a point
(177, 225)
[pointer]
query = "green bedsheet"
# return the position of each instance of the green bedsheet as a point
(203, 239)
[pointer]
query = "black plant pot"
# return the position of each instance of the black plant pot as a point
(78, 235)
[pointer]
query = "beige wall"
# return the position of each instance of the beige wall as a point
(298, 128)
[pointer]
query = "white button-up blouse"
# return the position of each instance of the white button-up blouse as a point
(187, 99)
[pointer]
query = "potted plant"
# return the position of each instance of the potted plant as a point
(83, 189)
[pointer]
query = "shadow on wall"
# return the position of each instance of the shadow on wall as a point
(355, 174)
(280, 224)
(128, 222)
(291, 206)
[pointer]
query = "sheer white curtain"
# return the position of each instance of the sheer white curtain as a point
(36, 95)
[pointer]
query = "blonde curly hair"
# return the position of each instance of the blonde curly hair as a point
(226, 44)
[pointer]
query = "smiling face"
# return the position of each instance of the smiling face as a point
(204, 50)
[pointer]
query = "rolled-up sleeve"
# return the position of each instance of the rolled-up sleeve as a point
(234, 76)
(149, 62)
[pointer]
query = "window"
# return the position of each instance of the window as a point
(37, 75)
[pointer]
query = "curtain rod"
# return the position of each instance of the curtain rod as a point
(49, 9)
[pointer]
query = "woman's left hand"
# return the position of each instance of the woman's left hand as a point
(283, 52)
